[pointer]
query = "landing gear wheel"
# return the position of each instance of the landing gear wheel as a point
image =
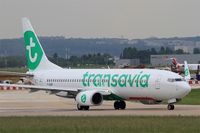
(170, 107)
(79, 107)
(116, 105)
(119, 105)
(122, 105)
(86, 107)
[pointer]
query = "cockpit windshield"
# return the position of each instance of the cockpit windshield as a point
(175, 79)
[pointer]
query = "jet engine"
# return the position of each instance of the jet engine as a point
(89, 98)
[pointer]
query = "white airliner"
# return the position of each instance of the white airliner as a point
(90, 87)
(180, 67)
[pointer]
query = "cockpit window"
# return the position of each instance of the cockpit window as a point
(170, 80)
(178, 79)
(175, 79)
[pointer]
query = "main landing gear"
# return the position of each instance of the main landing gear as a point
(119, 105)
(170, 107)
(79, 107)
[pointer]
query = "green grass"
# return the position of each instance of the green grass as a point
(193, 98)
(16, 69)
(108, 124)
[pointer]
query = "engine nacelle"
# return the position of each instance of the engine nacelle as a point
(89, 98)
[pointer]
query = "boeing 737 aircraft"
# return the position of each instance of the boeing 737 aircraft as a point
(90, 87)
(180, 67)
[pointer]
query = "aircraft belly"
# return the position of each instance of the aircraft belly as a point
(133, 93)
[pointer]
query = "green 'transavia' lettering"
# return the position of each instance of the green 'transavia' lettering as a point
(116, 80)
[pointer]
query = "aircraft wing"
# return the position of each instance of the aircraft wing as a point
(38, 87)
(13, 74)
(34, 88)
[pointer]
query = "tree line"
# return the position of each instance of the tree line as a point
(73, 61)
(144, 55)
(86, 59)
(95, 59)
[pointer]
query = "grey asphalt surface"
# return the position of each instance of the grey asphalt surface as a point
(23, 103)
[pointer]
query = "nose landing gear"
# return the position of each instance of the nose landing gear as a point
(171, 103)
(170, 107)
(119, 105)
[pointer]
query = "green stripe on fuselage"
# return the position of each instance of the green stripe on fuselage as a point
(112, 97)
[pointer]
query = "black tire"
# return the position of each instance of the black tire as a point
(122, 105)
(119, 105)
(116, 105)
(86, 107)
(170, 107)
(79, 107)
(173, 107)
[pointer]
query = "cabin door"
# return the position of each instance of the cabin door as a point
(157, 83)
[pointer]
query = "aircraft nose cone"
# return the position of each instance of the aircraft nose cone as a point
(187, 88)
(184, 89)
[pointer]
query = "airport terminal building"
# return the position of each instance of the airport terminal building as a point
(129, 62)
(164, 60)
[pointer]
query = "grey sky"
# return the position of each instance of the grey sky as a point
(102, 18)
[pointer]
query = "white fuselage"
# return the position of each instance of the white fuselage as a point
(129, 84)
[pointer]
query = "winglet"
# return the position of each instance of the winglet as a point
(186, 71)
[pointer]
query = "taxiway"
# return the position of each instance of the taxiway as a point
(23, 103)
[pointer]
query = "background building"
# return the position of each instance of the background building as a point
(186, 49)
(164, 60)
(127, 62)
(187, 46)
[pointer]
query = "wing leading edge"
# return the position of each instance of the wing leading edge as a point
(54, 88)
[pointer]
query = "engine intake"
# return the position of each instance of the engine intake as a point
(97, 98)
(89, 98)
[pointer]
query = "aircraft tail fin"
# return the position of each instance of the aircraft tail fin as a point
(37, 60)
(186, 71)
(174, 61)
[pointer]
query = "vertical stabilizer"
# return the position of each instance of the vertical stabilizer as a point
(35, 55)
(186, 71)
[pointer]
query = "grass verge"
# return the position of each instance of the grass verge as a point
(193, 98)
(22, 69)
(108, 124)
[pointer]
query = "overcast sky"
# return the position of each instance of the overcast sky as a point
(102, 18)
